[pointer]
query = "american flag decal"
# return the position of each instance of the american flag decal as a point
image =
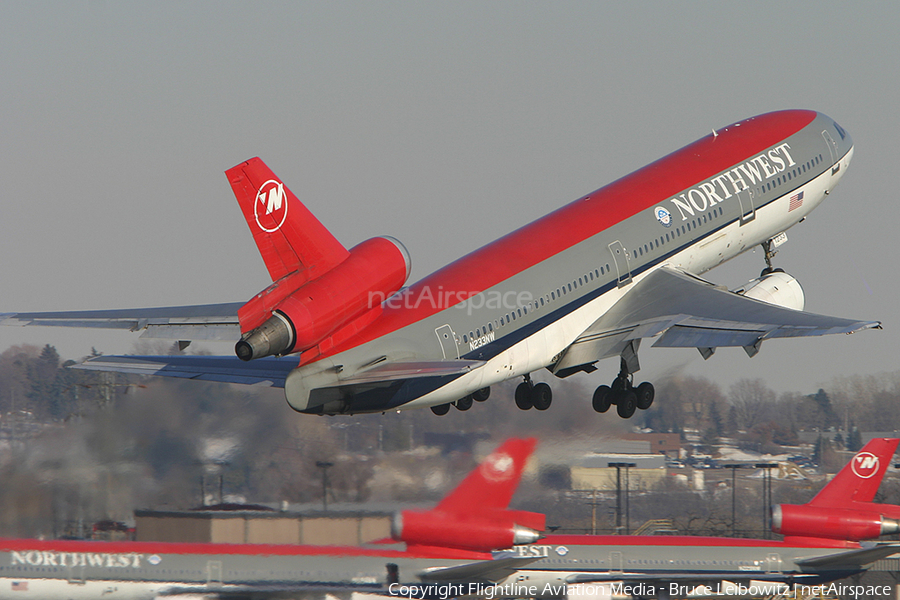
(796, 201)
(20, 586)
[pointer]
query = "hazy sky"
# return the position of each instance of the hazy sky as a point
(445, 125)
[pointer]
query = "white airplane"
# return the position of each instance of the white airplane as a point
(341, 334)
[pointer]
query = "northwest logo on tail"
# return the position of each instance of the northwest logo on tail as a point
(498, 467)
(864, 465)
(270, 208)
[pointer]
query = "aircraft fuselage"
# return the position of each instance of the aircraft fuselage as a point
(517, 304)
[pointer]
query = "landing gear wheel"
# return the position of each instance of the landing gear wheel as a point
(625, 403)
(464, 403)
(523, 396)
(541, 396)
(482, 394)
(645, 395)
(441, 409)
(601, 398)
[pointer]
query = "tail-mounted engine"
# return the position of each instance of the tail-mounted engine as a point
(832, 523)
(294, 314)
(494, 530)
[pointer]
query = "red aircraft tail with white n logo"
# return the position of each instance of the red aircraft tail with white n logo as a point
(859, 479)
(493, 483)
(289, 237)
(475, 516)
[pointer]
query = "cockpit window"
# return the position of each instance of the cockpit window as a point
(840, 131)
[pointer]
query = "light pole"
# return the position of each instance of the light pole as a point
(734, 467)
(324, 466)
(767, 494)
(618, 466)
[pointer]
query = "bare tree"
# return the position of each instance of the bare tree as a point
(752, 401)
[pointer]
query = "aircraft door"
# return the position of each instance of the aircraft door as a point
(447, 340)
(832, 151)
(393, 573)
(620, 257)
(75, 574)
(214, 572)
(615, 562)
(745, 200)
(773, 563)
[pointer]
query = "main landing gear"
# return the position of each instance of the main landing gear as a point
(622, 392)
(624, 395)
(464, 403)
(529, 395)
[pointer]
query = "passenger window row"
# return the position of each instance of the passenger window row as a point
(536, 304)
(790, 175)
(677, 232)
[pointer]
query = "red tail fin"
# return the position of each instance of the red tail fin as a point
(492, 484)
(859, 479)
(474, 516)
(288, 236)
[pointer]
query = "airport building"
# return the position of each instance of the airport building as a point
(254, 524)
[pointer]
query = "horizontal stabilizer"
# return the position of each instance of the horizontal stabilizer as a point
(195, 322)
(226, 369)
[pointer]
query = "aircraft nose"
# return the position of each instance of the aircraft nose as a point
(848, 157)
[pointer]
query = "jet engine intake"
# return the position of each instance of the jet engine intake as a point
(832, 523)
(281, 320)
(776, 287)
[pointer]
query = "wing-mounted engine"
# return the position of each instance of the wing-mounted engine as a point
(484, 531)
(832, 523)
(294, 314)
(775, 287)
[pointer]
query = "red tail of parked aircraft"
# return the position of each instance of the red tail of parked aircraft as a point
(474, 516)
(843, 509)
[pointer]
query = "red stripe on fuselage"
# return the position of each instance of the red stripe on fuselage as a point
(688, 540)
(587, 216)
(24, 545)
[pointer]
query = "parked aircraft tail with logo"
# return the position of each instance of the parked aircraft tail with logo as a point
(843, 509)
(474, 516)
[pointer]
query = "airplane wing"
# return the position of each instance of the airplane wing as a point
(486, 571)
(197, 322)
(227, 369)
(852, 558)
(685, 311)
(685, 578)
(482, 571)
